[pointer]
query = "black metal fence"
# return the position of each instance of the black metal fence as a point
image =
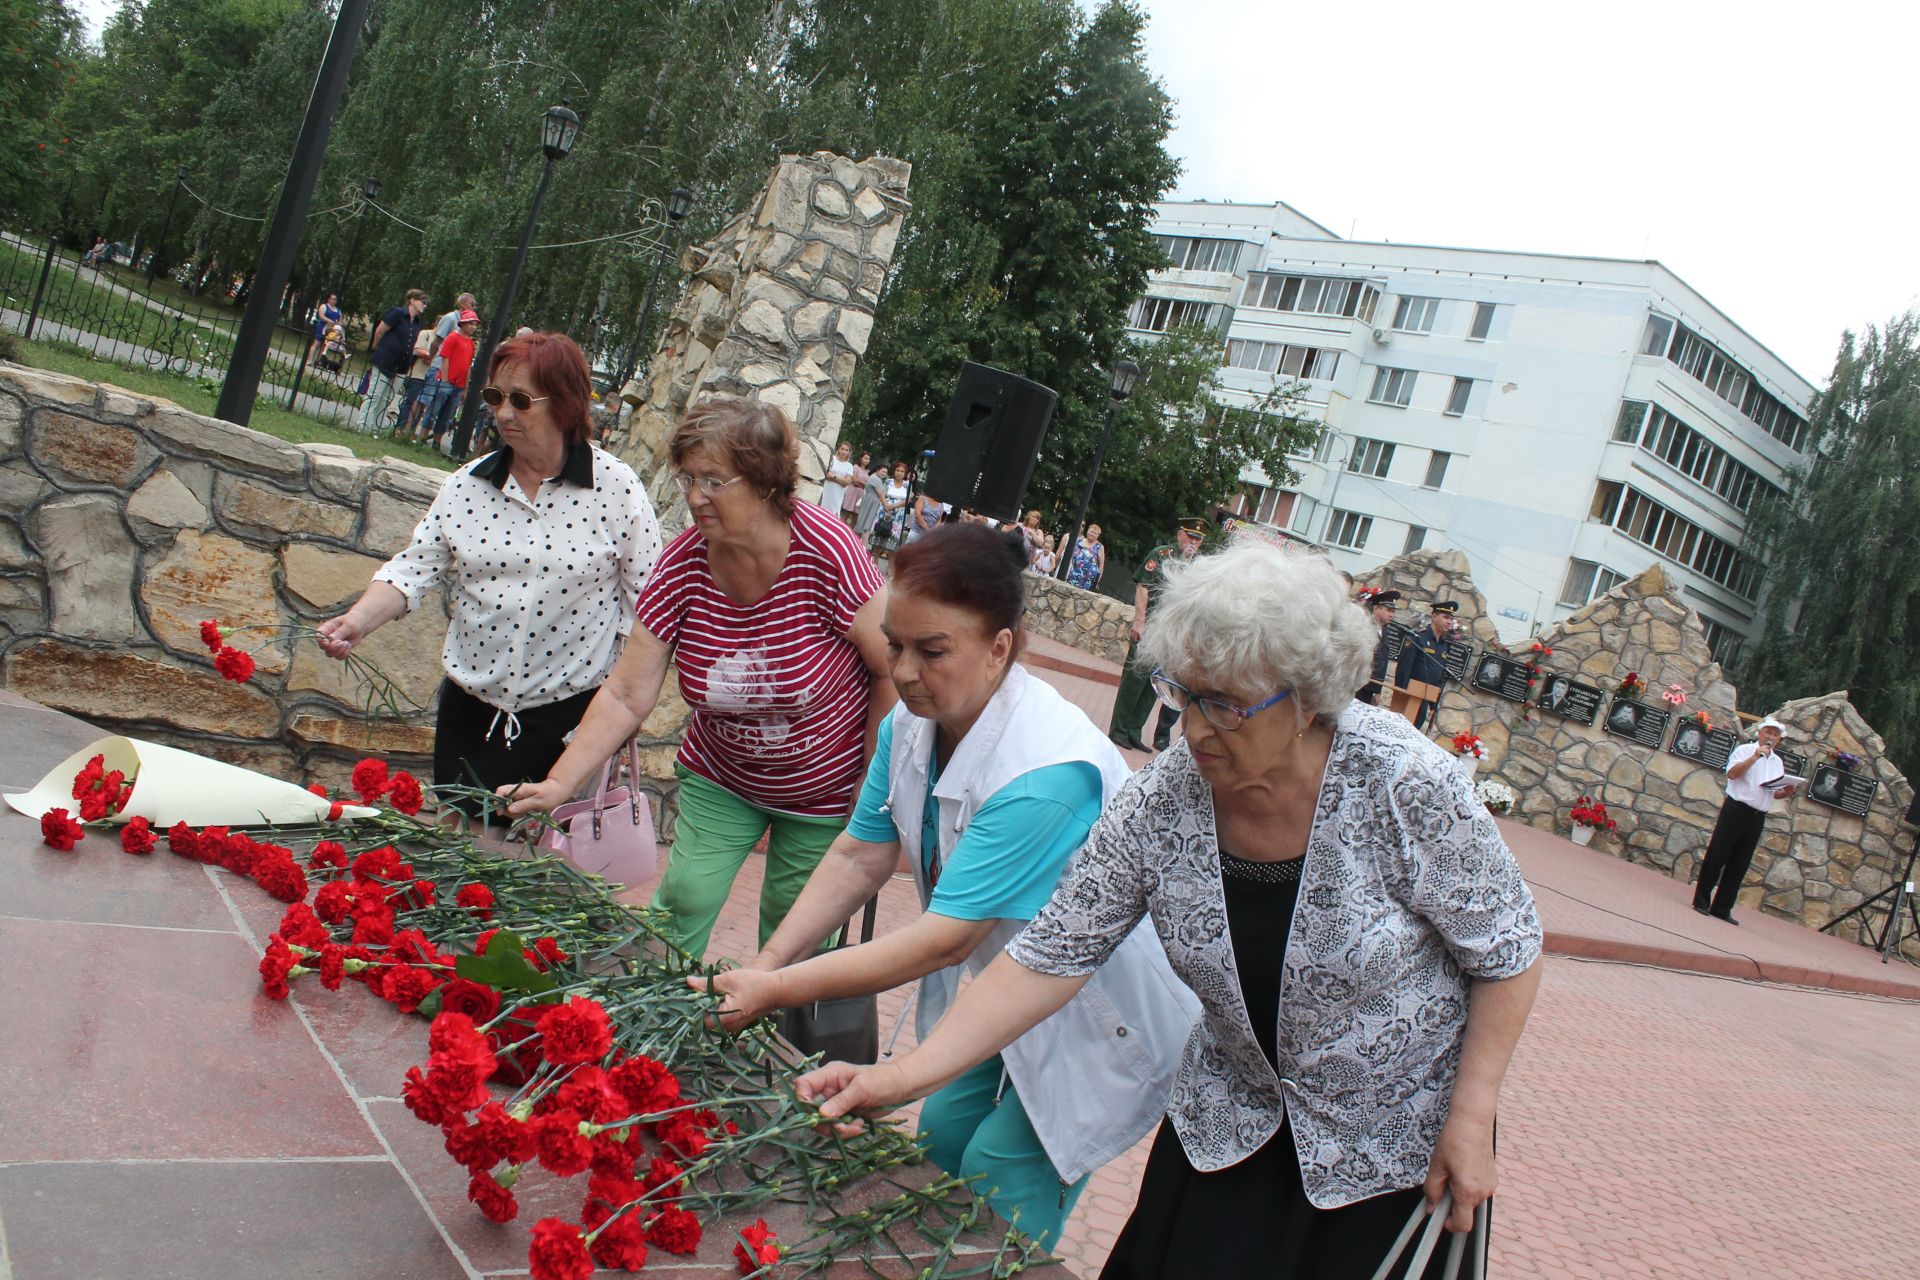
(107, 309)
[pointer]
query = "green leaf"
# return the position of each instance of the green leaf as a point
(504, 966)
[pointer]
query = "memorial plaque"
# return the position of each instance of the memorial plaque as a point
(1396, 637)
(1837, 789)
(1456, 655)
(1642, 722)
(1506, 677)
(1795, 762)
(1710, 748)
(1569, 699)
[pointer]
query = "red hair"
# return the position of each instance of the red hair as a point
(558, 371)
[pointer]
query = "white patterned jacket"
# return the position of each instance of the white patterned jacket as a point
(1407, 895)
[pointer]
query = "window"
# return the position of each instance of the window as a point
(1190, 253)
(1392, 386)
(1606, 501)
(1633, 415)
(1303, 513)
(1371, 458)
(1416, 538)
(1415, 315)
(1281, 358)
(1258, 502)
(1659, 333)
(1349, 529)
(1457, 398)
(1482, 322)
(1722, 641)
(1158, 315)
(1678, 539)
(1717, 372)
(1436, 470)
(1318, 295)
(1586, 580)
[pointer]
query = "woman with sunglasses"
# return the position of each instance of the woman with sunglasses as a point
(988, 781)
(545, 544)
(769, 611)
(1361, 941)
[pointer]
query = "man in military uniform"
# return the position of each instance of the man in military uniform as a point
(1423, 656)
(1381, 606)
(1131, 703)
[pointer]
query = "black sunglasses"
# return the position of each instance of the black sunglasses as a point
(520, 400)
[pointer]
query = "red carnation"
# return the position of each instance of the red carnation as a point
(333, 901)
(434, 1098)
(116, 789)
(182, 841)
(379, 864)
(647, 1085)
(475, 999)
(404, 793)
(758, 1248)
(495, 1201)
(675, 1230)
(476, 898)
(329, 853)
(663, 1180)
(234, 664)
(333, 965)
(574, 1033)
(274, 967)
(93, 806)
(372, 923)
(137, 836)
(589, 1092)
(405, 987)
(88, 779)
(280, 876)
(558, 1252)
(457, 1047)
(561, 1146)
(60, 831)
(681, 1134)
(496, 1133)
(210, 636)
(622, 1244)
(549, 951)
(370, 779)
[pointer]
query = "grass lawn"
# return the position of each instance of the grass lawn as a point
(273, 419)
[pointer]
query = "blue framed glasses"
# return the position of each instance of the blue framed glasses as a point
(1221, 714)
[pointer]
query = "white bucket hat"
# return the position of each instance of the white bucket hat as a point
(1771, 723)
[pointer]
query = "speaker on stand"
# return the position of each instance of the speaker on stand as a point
(1901, 891)
(990, 442)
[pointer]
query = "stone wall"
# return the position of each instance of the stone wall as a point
(1814, 861)
(780, 309)
(1091, 622)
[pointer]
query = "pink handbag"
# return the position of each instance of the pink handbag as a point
(610, 834)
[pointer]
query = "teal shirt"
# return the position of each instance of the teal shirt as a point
(1007, 861)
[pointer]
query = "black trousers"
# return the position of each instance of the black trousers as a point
(470, 743)
(1729, 853)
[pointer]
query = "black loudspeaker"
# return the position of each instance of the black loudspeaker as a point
(1913, 810)
(991, 440)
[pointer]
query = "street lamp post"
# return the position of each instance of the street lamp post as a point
(251, 340)
(1125, 374)
(371, 189)
(559, 128)
(166, 229)
(679, 205)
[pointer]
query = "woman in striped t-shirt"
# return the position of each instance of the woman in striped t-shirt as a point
(770, 611)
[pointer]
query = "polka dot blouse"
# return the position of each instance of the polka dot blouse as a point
(543, 588)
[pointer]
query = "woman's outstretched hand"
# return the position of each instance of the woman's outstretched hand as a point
(746, 994)
(842, 1089)
(533, 797)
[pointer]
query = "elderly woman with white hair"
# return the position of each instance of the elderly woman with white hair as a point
(1322, 877)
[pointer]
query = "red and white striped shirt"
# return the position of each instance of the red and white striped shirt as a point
(778, 691)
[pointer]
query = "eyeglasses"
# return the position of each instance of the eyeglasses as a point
(520, 400)
(708, 485)
(1219, 713)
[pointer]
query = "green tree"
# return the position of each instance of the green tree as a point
(1842, 604)
(39, 55)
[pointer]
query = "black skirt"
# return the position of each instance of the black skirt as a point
(470, 746)
(1252, 1220)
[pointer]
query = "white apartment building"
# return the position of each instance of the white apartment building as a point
(1564, 421)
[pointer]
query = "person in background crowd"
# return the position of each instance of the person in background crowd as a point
(769, 610)
(1363, 946)
(1043, 562)
(987, 780)
(1033, 536)
(392, 353)
(454, 360)
(414, 399)
(888, 533)
(1135, 698)
(1423, 655)
(925, 516)
(333, 354)
(1089, 562)
(1380, 605)
(856, 491)
(534, 633)
(325, 317)
(1754, 773)
(438, 402)
(873, 502)
(833, 489)
(94, 256)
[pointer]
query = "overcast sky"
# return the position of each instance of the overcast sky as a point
(1762, 151)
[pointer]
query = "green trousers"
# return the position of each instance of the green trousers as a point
(712, 837)
(1135, 700)
(975, 1126)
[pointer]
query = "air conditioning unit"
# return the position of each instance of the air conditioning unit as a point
(1382, 337)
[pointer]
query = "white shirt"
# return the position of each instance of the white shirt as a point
(1748, 788)
(543, 589)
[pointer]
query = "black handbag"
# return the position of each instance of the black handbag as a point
(844, 1029)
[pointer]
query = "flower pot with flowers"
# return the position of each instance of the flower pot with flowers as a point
(1701, 718)
(1631, 686)
(1845, 761)
(1590, 815)
(1497, 796)
(1674, 696)
(1470, 751)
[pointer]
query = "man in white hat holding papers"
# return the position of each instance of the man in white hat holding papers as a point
(1755, 779)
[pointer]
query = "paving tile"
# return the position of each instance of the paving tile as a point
(37, 739)
(97, 883)
(120, 1043)
(322, 1220)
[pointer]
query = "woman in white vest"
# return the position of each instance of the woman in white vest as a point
(988, 781)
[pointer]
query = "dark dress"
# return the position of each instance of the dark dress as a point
(1252, 1220)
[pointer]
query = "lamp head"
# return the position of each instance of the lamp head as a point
(558, 129)
(679, 204)
(1125, 374)
(372, 188)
